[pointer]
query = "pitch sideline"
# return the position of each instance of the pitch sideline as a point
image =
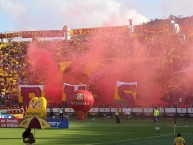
(130, 139)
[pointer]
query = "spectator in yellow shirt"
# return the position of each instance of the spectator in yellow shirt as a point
(179, 140)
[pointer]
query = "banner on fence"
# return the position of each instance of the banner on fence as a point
(14, 123)
(97, 30)
(33, 34)
(58, 123)
(9, 122)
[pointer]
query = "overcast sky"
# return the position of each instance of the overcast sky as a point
(16, 15)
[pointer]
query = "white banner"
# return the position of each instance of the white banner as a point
(161, 110)
(137, 110)
(190, 110)
(104, 109)
(113, 109)
(94, 110)
(181, 110)
(148, 110)
(170, 110)
(124, 109)
(69, 110)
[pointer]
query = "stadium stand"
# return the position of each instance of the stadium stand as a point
(160, 41)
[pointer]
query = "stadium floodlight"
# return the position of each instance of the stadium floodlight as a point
(172, 21)
(68, 33)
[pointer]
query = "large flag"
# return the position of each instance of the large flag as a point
(68, 91)
(125, 93)
(26, 92)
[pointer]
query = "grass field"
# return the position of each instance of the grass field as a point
(105, 132)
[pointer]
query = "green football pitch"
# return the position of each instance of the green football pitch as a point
(101, 131)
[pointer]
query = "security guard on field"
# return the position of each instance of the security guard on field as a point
(156, 115)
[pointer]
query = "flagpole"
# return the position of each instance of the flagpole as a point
(174, 129)
(174, 123)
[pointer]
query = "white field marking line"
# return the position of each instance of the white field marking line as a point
(181, 126)
(131, 139)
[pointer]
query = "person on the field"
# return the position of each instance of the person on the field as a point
(28, 138)
(51, 113)
(128, 113)
(179, 140)
(61, 111)
(117, 116)
(156, 115)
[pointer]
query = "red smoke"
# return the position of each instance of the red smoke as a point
(119, 58)
(43, 62)
(100, 60)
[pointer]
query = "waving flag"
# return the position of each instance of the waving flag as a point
(125, 93)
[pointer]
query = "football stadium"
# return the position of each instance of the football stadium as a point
(126, 84)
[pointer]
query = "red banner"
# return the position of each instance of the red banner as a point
(97, 30)
(32, 34)
(9, 122)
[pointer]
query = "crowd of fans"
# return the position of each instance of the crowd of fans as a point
(12, 56)
(161, 44)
